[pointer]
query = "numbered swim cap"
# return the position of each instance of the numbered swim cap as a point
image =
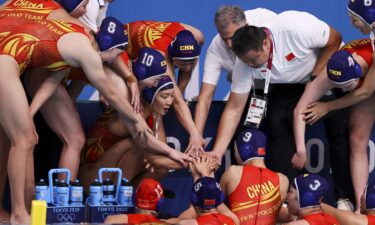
(150, 64)
(250, 144)
(342, 68)
(206, 193)
(148, 194)
(310, 188)
(364, 9)
(111, 35)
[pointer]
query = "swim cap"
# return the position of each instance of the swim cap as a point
(70, 5)
(250, 144)
(111, 35)
(184, 46)
(342, 68)
(150, 63)
(363, 9)
(206, 193)
(164, 83)
(310, 188)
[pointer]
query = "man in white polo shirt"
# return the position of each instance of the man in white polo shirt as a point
(220, 56)
(293, 47)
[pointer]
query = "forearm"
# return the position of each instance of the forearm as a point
(349, 99)
(120, 67)
(299, 132)
(313, 92)
(118, 102)
(45, 91)
(344, 217)
(183, 79)
(183, 113)
(156, 146)
(227, 126)
(160, 161)
(358, 95)
(203, 106)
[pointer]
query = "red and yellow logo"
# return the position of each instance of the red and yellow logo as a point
(153, 32)
(20, 46)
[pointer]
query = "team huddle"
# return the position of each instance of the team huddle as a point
(277, 65)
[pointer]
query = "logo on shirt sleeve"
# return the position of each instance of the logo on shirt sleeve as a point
(290, 57)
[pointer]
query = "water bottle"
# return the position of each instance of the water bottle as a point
(126, 193)
(96, 193)
(62, 194)
(108, 192)
(76, 193)
(55, 182)
(41, 190)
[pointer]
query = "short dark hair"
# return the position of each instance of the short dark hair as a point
(248, 38)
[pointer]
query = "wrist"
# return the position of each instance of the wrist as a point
(301, 151)
(330, 107)
(131, 79)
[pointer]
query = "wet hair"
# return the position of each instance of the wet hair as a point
(226, 15)
(248, 38)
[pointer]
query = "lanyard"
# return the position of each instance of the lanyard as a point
(269, 63)
(157, 121)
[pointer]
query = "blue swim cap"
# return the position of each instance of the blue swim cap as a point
(206, 193)
(70, 5)
(370, 195)
(363, 9)
(164, 83)
(310, 188)
(342, 68)
(184, 46)
(250, 144)
(111, 34)
(150, 63)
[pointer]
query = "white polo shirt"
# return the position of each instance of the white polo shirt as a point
(96, 11)
(219, 57)
(297, 37)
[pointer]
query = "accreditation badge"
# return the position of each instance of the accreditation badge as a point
(256, 111)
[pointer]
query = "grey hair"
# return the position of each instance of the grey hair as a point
(226, 15)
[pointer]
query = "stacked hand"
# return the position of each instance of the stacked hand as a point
(315, 111)
(203, 167)
(299, 160)
(196, 146)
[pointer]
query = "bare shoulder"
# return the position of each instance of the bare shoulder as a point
(231, 175)
(233, 169)
(284, 185)
(283, 179)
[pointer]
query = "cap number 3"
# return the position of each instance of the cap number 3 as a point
(315, 185)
